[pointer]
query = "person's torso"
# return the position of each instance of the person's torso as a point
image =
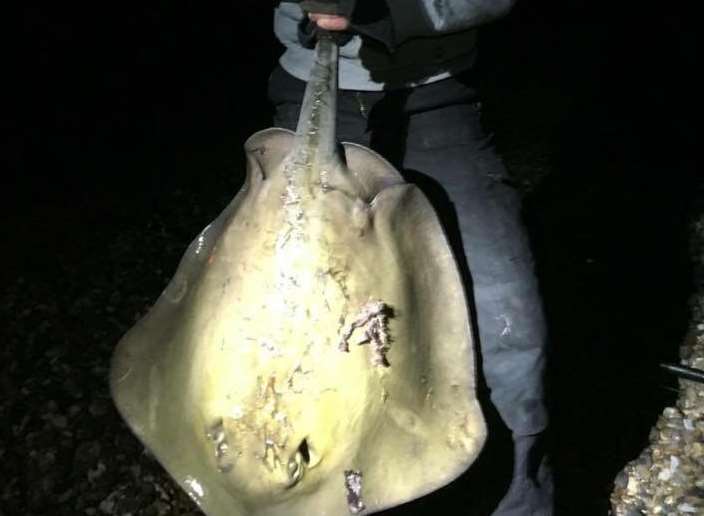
(368, 66)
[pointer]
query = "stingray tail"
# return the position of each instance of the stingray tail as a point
(316, 123)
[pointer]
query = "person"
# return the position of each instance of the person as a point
(407, 90)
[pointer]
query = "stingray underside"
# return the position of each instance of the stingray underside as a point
(312, 354)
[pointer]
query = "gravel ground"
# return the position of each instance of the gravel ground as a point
(668, 476)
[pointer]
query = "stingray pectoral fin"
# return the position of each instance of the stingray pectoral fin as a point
(433, 428)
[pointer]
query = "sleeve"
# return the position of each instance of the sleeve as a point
(339, 7)
(394, 21)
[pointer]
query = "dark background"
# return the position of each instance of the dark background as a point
(125, 127)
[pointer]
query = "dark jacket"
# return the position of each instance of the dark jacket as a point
(397, 43)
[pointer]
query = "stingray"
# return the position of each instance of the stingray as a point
(312, 354)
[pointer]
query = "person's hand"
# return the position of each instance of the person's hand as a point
(332, 22)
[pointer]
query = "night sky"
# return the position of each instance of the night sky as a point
(117, 112)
